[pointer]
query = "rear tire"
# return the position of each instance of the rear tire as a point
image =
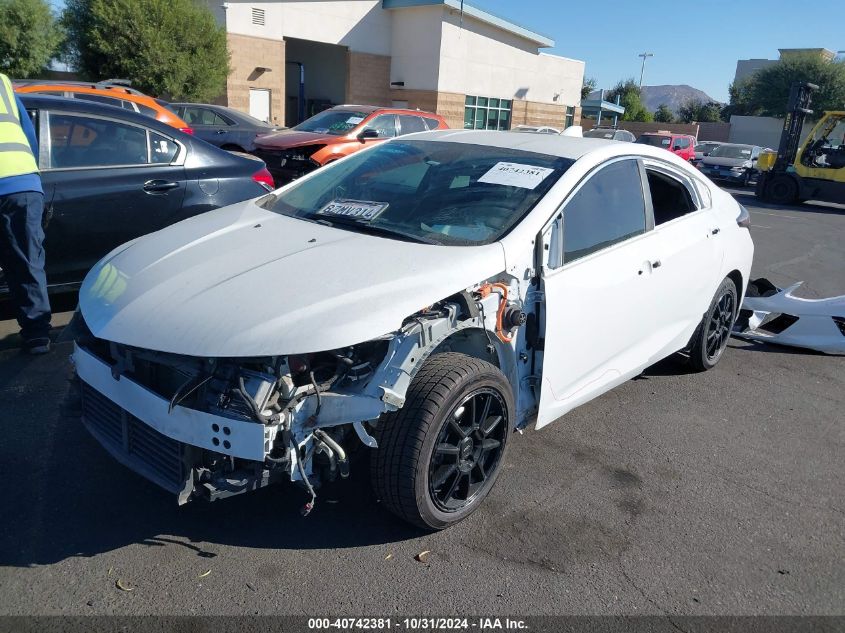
(711, 337)
(440, 454)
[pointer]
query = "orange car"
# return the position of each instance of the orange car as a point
(335, 133)
(115, 94)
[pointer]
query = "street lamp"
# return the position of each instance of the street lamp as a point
(642, 68)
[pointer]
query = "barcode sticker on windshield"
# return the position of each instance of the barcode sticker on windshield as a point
(355, 209)
(516, 175)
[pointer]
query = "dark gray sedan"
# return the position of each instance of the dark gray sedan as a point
(221, 126)
(733, 162)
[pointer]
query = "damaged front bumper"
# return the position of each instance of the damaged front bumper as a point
(773, 315)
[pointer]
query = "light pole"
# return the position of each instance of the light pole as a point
(642, 68)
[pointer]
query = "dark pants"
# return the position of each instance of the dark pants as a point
(22, 260)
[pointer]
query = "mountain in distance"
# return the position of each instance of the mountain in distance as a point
(674, 96)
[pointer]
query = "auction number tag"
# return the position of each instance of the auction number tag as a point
(516, 175)
(356, 209)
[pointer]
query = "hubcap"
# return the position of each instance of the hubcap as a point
(467, 450)
(719, 327)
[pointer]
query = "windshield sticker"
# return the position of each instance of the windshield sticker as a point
(354, 120)
(321, 130)
(355, 209)
(516, 175)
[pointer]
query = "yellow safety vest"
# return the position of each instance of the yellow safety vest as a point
(16, 157)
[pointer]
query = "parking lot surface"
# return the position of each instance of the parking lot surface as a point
(676, 493)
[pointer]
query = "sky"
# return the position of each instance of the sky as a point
(695, 43)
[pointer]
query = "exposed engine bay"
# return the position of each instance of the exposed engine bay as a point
(237, 424)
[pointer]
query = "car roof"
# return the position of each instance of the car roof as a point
(91, 107)
(553, 145)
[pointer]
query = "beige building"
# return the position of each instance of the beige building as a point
(292, 58)
(747, 67)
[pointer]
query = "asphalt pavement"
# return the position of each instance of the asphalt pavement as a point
(676, 493)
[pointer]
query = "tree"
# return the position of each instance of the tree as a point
(630, 98)
(739, 100)
(29, 37)
(664, 114)
(695, 110)
(767, 91)
(172, 48)
(588, 87)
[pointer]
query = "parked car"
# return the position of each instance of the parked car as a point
(335, 133)
(611, 134)
(534, 129)
(111, 175)
(107, 93)
(681, 144)
(224, 127)
(423, 298)
(733, 162)
(703, 148)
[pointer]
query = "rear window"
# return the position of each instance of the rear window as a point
(433, 124)
(609, 134)
(656, 141)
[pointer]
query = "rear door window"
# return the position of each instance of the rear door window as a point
(432, 123)
(410, 124)
(384, 124)
(78, 142)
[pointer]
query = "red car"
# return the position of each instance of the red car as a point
(335, 133)
(681, 144)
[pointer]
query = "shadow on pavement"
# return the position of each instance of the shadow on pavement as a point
(70, 498)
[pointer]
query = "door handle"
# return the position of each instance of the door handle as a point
(656, 263)
(220, 132)
(715, 231)
(159, 186)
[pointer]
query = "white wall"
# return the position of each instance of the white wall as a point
(479, 59)
(362, 25)
(415, 46)
(761, 130)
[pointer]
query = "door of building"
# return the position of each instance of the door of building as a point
(259, 103)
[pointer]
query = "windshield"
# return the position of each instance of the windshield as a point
(731, 151)
(598, 133)
(706, 147)
(335, 122)
(425, 191)
(657, 141)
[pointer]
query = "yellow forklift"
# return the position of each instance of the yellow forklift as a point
(813, 171)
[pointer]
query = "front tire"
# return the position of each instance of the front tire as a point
(782, 189)
(441, 453)
(711, 337)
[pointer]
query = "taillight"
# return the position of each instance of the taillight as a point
(187, 130)
(744, 218)
(264, 178)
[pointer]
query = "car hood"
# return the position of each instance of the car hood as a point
(243, 281)
(718, 161)
(285, 139)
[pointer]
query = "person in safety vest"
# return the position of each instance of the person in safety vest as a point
(21, 211)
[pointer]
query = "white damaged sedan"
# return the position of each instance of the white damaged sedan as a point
(422, 300)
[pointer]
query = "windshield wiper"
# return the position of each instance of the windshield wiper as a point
(370, 229)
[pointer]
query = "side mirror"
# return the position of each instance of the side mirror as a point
(367, 133)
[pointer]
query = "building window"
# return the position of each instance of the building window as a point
(570, 116)
(258, 16)
(487, 113)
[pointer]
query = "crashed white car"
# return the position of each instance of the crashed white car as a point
(423, 298)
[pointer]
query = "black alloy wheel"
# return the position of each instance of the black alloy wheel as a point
(439, 456)
(467, 450)
(711, 337)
